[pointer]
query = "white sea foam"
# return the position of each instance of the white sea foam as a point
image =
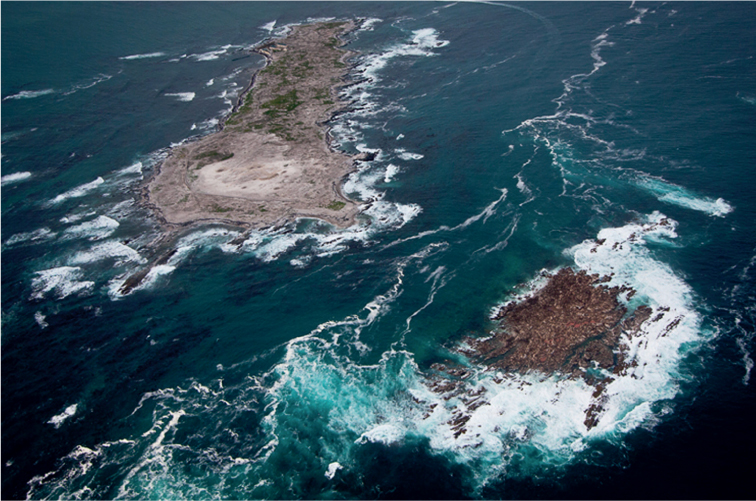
(369, 24)
(149, 55)
(522, 186)
(268, 26)
(486, 213)
(385, 434)
(747, 360)
(123, 210)
(682, 197)
(392, 215)
(102, 77)
(135, 168)
(198, 241)
(153, 277)
(29, 94)
(332, 469)
(362, 184)
(182, 96)
(637, 19)
(314, 20)
(518, 411)
(548, 414)
(405, 155)
(511, 417)
(154, 274)
(229, 96)
(40, 319)
(423, 43)
(72, 218)
(210, 82)
(39, 235)
(96, 229)
(108, 250)
(155, 455)
(210, 123)
(63, 281)
(391, 171)
(211, 55)
(203, 239)
(15, 177)
(79, 191)
(278, 246)
(77, 464)
(746, 99)
(59, 419)
(427, 38)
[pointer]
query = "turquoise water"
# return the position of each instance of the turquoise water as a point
(509, 139)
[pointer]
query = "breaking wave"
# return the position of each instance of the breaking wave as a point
(677, 195)
(29, 94)
(182, 96)
(323, 405)
(63, 282)
(96, 229)
(149, 55)
(587, 160)
(77, 192)
(15, 177)
(59, 419)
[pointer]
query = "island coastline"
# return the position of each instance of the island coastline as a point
(272, 160)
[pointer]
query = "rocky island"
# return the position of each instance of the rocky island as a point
(572, 324)
(271, 161)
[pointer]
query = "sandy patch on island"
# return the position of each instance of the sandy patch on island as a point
(259, 171)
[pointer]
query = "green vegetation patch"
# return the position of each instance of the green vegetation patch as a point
(330, 26)
(246, 107)
(336, 205)
(301, 70)
(218, 208)
(210, 157)
(283, 103)
(214, 156)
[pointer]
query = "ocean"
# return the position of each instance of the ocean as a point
(509, 138)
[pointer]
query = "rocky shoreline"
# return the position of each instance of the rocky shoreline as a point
(571, 327)
(574, 322)
(271, 161)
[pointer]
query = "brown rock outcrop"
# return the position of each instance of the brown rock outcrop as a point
(572, 322)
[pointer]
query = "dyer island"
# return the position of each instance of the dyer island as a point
(271, 162)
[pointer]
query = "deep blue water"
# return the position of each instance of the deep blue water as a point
(510, 138)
